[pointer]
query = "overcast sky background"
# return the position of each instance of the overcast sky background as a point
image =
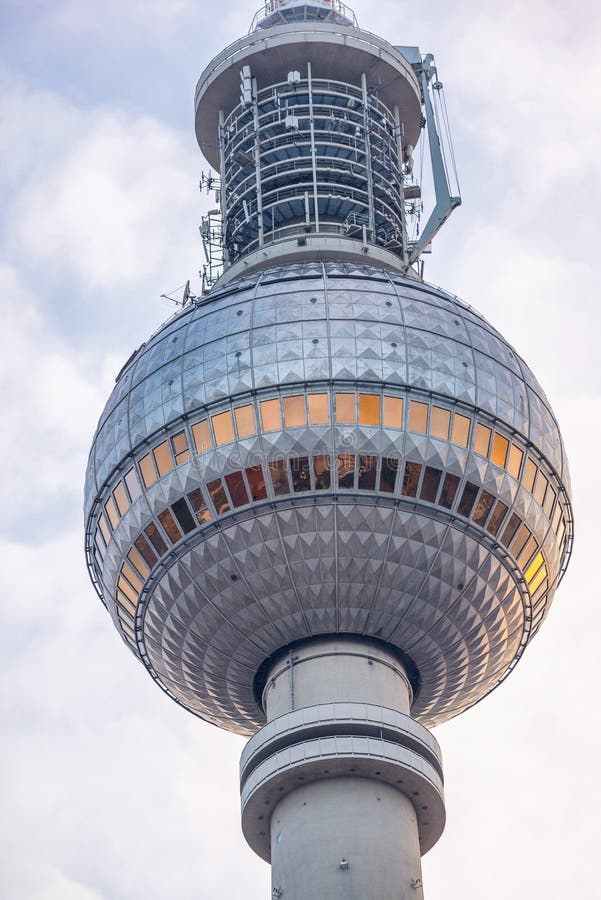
(107, 789)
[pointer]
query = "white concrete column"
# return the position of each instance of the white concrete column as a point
(344, 836)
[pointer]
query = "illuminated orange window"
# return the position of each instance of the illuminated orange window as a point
(120, 498)
(369, 409)
(223, 428)
(529, 474)
(440, 423)
(202, 436)
(498, 454)
(393, 412)
(294, 411)
(271, 418)
(148, 471)
(514, 462)
(537, 580)
(482, 439)
(418, 417)
(127, 589)
(245, 421)
(345, 409)
(111, 511)
(319, 413)
(139, 563)
(131, 577)
(461, 430)
(163, 459)
(533, 567)
(179, 442)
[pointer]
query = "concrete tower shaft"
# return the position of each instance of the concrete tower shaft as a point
(341, 789)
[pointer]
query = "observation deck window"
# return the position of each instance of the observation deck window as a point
(295, 414)
(440, 423)
(461, 430)
(345, 409)
(223, 428)
(369, 409)
(271, 418)
(411, 479)
(482, 439)
(168, 523)
(245, 421)
(418, 417)
(319, 410)
(321, 472)
(393, 412)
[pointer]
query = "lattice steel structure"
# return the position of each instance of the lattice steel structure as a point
(327, 505)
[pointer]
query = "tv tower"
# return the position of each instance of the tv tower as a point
(327, 505)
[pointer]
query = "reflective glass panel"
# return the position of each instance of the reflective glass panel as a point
(319, 413)
(147, 469)
(527, 552)
(440, 423)
(514, 462)
(271, 419)
(120, 498)
(179, 442)
(389, 468)
(483, 507)
(111, 511)
(294, 411)
(556, 518)
(430, 484)
(540, 488)
(468, 499)
(168, 523)
(520, 540)
(183, 515)
(126, 602)
(498, 514)
(279, 477)
(369, 409)
(301, 474)
(145, 550)
(529, 474)
(139, 563)
(393, 412)
(321, 471)
(345, 409)
(498, 454)
(223, 428)
(199, 506)
(346, 471)
(156, 538)
(162, 457)
(100, 546)
(202, 436)
(549, 501)
(510, 530)
(411, 479)
(461, 430)
(368, 467)
(237, 488)
(218, 496)
(561, 532)
(256, 482)
(133, 485)
(245, 421)
(482, 439)
(418, 417)
(449, 489)
(104, 528)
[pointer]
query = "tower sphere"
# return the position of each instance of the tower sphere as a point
(326, 448)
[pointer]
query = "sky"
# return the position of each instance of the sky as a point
(108, 790)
